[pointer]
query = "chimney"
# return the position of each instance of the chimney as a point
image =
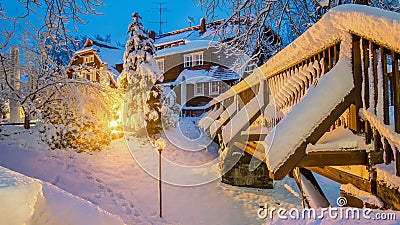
(202, 25)
(152, 35)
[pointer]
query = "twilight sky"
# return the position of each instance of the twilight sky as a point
(116, 16)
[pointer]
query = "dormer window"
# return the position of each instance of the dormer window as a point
(193, 59)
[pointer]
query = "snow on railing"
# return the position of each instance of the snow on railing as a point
(378, 72)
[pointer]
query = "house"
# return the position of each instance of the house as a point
(97, 62)
(193, 66)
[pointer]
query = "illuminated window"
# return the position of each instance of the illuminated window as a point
(88, 59)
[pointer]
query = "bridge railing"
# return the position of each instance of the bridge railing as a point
(376, 69)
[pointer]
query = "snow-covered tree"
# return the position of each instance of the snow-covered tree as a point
(74, 113)
(79, 118)
(140, 74)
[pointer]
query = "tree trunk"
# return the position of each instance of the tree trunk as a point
(26, 121)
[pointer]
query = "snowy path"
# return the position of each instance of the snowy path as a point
(115, 182)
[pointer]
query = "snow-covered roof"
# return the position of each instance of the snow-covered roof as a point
(187, 47)
(188, 34)
(107, 54)
(216, 73)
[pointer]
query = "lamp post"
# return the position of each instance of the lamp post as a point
(160, 144)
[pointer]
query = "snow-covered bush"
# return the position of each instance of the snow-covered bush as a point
(79, 119)
(140, 74)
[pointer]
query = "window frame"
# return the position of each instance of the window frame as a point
(211, 85)
(193, 59)
(196, 93)
(188, 60)
(198, 59)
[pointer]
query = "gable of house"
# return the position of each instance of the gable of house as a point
(97, 62)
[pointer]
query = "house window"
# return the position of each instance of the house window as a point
(188, 60)
(160, 64)
(214, 88)
(198, 59)
(199, 89)
(193, 59)
(88, 59)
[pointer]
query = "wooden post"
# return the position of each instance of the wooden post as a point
(388, 152)
(377, 141)
(397, 152)
(396, 91)
(374, 65)
(357, 73)
(385, 86)
(365, 75)
(368, 133)
(331, 57)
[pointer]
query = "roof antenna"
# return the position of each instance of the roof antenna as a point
(160, 10)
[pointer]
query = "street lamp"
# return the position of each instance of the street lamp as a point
(160, 144)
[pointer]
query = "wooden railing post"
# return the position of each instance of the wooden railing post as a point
(386, 102)
(396, 103)
(355, 123)
(396, 91)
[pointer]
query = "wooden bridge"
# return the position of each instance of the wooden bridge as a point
(296, 111)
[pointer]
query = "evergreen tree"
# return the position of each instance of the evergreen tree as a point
(139, 75)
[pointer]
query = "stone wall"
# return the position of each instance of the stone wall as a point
(236, 171)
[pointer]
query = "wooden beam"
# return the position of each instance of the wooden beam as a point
(342, 177)
(253, 148)
(255, 137)
(335, 158)
(316, 134)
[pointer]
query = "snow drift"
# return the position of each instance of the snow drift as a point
(24, 200)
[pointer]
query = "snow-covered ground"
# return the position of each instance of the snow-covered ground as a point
(114, 182)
